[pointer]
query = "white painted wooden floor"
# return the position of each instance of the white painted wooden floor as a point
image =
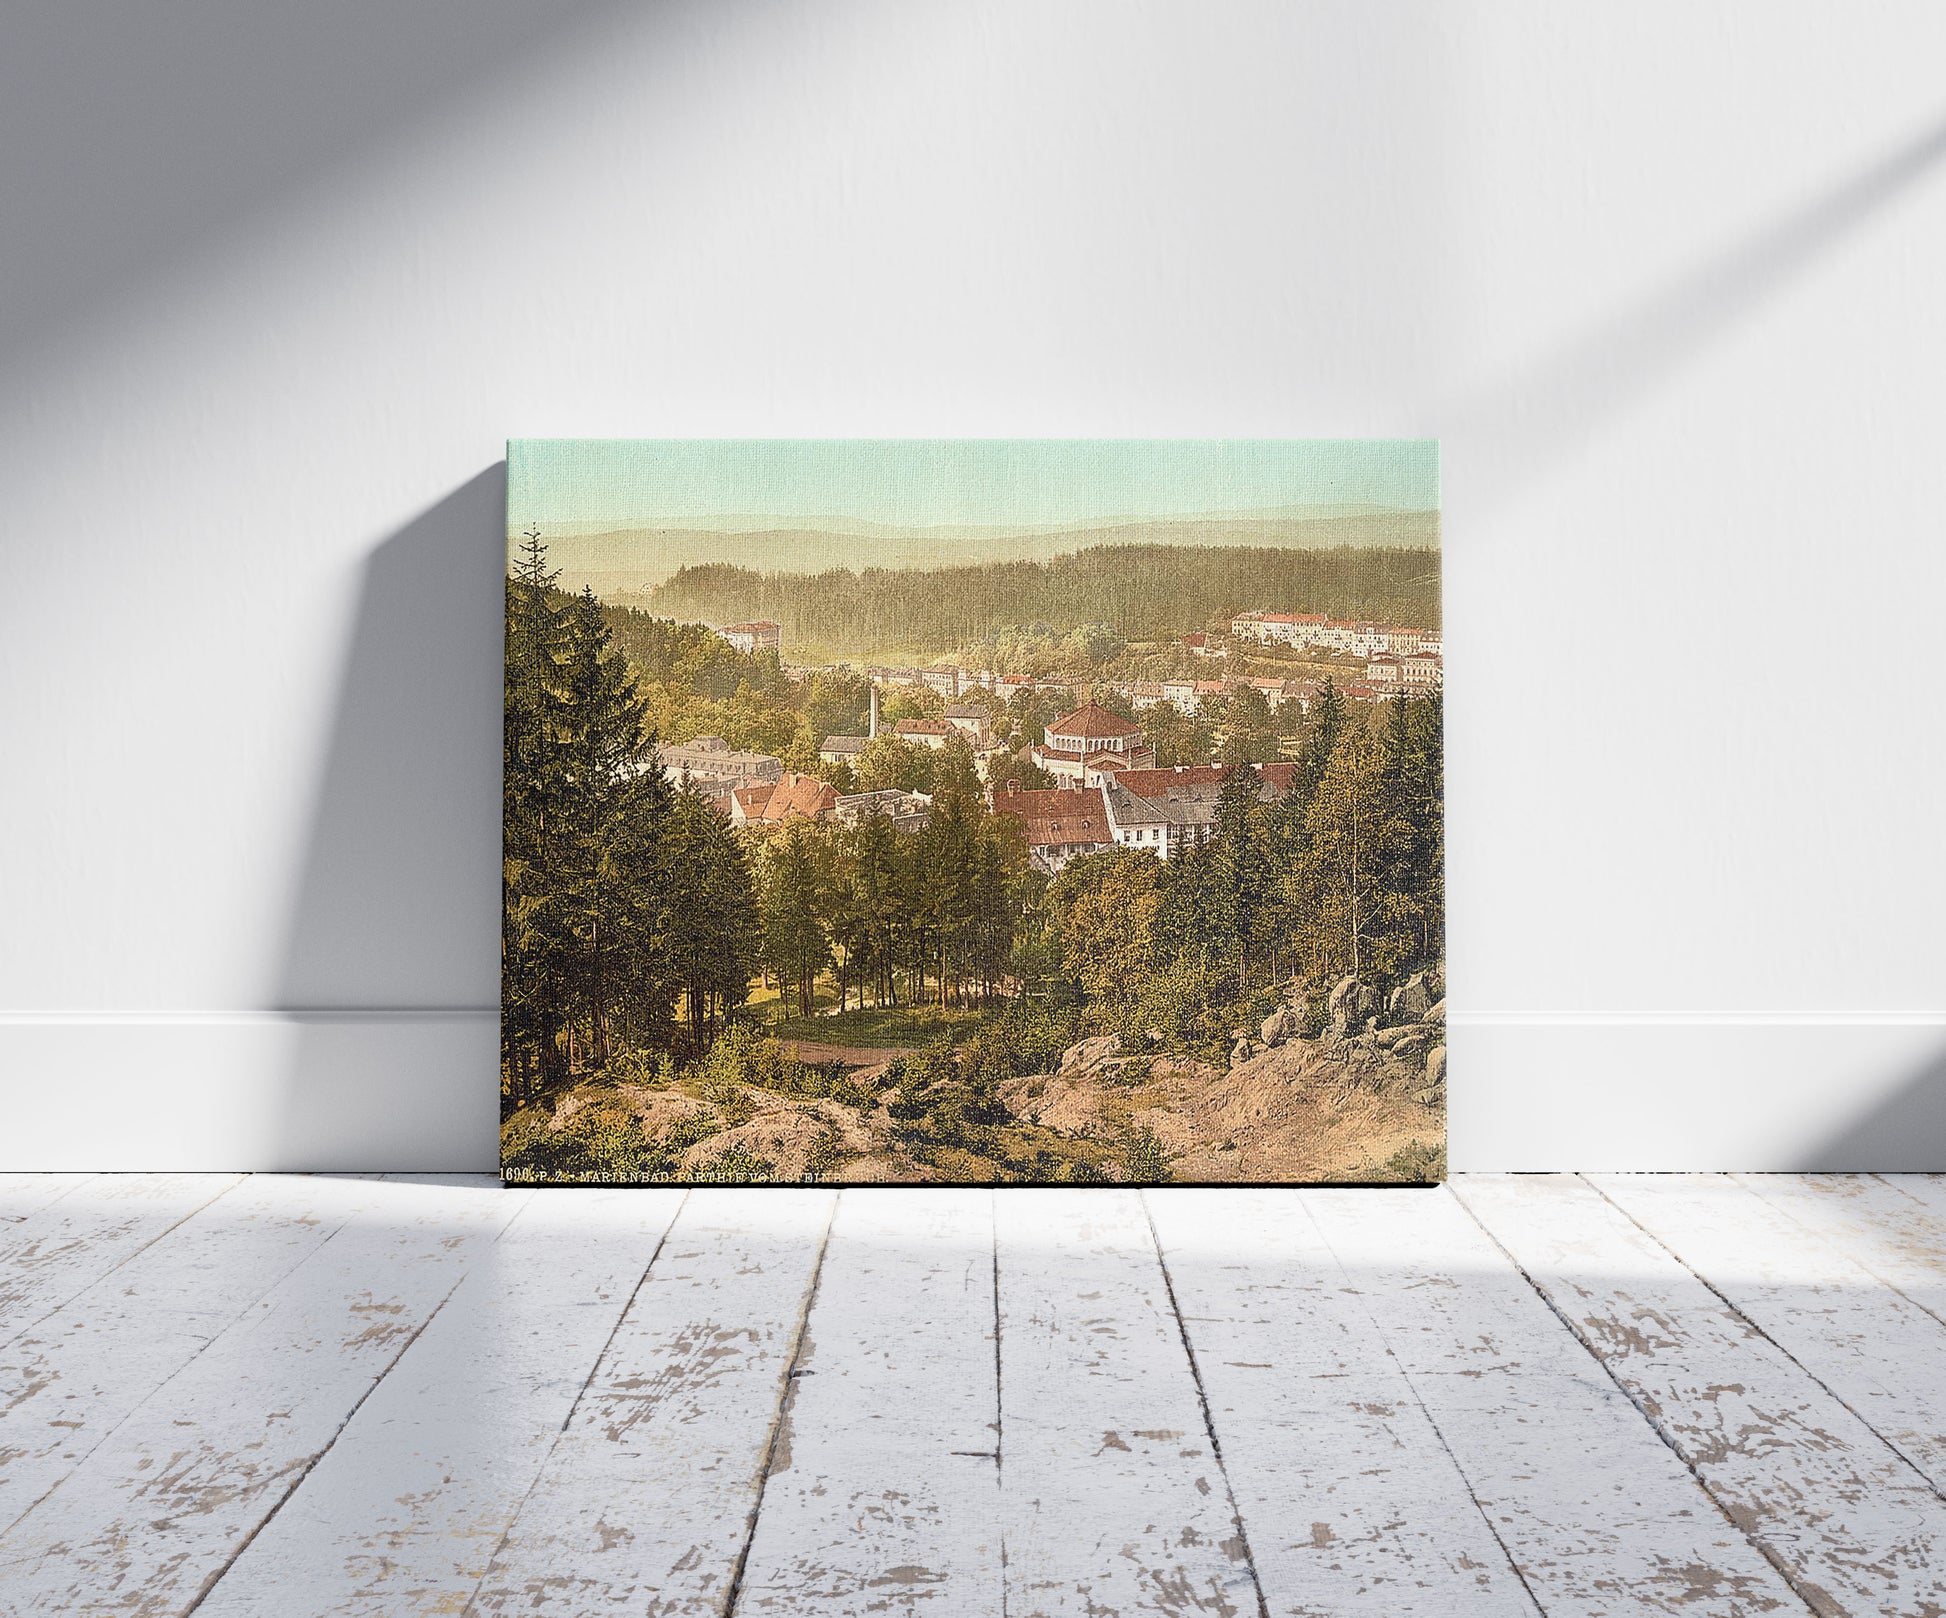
(1599, 1395)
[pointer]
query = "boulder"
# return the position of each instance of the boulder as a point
(1280, 1025)
(1352, 1004)
(1436, 1065)
(1240, 1052)
(1412, 999)
(1437, 1014)
(1080, 1057)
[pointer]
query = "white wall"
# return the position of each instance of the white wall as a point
(279, 281)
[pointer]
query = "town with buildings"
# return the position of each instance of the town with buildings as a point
(1110, 792)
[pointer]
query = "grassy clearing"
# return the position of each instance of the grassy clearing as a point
(876, 1028)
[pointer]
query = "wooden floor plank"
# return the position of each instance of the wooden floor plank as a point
(883, 1495)
(63, 1247)
(148, 1521)
(21, 1194)
(1873, 1348)
(1113, 1499)
(645, 1503)
(1894, 1224)
(1350, 1500)
(72, 1378)
(1852, 1524)
(1599, 1516)
(403, 1514)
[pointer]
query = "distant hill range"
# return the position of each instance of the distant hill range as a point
(1142, 590)
(630, 561)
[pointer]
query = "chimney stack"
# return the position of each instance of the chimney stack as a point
(872, 729)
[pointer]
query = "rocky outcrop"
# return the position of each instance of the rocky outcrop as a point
(1351, 1003)
(1282, 1024)
(1090, 1053)
(1412, 999)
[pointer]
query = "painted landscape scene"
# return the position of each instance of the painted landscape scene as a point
(1043, 812)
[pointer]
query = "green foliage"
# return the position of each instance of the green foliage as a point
(599, 1144)
(1104, 911)
(1178, 738)
(796, 943)
(1018, 770)
(1421, 1163)
(888, 764)
(825, 1154)
(1141, 1158)
(585, 808)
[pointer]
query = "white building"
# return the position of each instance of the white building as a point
(759, 636)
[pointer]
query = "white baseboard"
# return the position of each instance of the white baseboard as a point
(401, 1090)
(368, 1090)
(1757, 1092)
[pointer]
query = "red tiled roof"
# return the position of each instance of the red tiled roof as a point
(1154, 783)
(920, 727)
(1092, 720)
(1058, 815)
(796, 794)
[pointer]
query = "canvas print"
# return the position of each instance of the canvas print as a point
(974, 812)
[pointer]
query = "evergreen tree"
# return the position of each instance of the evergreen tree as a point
(533, 787)
(715, 935)
(1352, 836)
(795, 943)
(618, 801)
(878, 899)
(1237, 871)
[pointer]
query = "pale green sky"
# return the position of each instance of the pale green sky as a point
(943, 482)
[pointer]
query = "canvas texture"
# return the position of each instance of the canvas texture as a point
(977, 812)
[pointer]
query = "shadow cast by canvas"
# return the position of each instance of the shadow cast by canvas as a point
(390, 968)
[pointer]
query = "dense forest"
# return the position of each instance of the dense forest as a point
(640, 929)
(1138, 591)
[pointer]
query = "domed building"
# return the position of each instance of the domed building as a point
(1090, 744)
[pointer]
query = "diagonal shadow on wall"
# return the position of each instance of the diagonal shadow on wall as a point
(1905, 1133)
(390, 967)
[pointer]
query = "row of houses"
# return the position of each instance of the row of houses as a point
(1385, 675)
(1162, 811)
(1314, 631)
(805, 797)
(965, 720)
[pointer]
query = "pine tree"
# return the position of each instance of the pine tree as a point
(534, 793)
(796, 945)
(618, 802)
(875, 865)
(1353, 835)
(714, 933)
(1237, 871)
(1328, 717)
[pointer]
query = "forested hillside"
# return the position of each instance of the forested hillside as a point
(654, 956)
(1141, 591)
